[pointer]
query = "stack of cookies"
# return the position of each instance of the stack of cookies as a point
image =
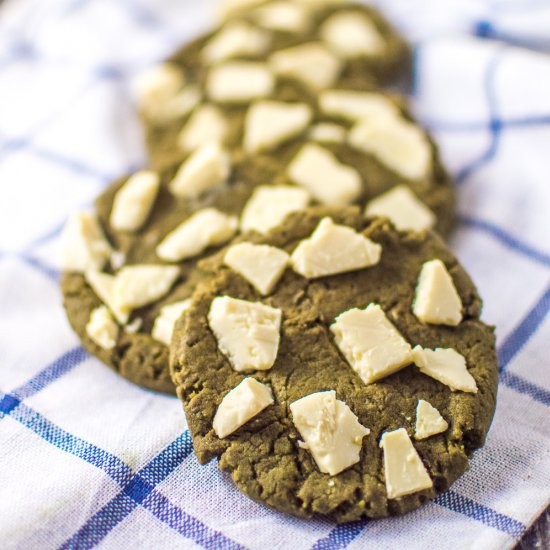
(280, 266)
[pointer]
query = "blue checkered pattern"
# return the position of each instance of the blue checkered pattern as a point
(86, 458)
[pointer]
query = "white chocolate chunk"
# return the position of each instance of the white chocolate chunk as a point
(446, 366)
(437, 301)
(208, 166)
(239, 82)
(241, 404)
(207, 227)
(403, 468)
(352, 35)
(103, 286)
(268, 124)
(134, 326)
(133, 201)
(83, 244)
(269, 205)
(261, 265)
(327, 132)
(180, 105)
(102, 329)
(163, 327)
(334, 249)
(397, 143)
(428, 421)
(136, 286)
(312, 64)
(324, 176)
(117, 260)
(330, 429)
(206, 125)
(283, 17)
(354, 106)
(248, 333)
(157, 86)
(403, 208)
(236, 39)
(370, 343)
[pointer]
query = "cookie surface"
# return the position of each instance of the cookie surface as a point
(264, 455)
(285, 51)
(136, 355)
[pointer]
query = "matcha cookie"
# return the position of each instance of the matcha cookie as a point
(336, 366)
(344, 147)
(129, 267)
(279, 51)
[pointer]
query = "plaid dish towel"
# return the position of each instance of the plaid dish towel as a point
(86, 458)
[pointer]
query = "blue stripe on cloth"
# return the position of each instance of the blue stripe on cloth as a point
(140, 490)
(136, 487)
(341, 536)
(186, 525)
(506, 239)
(62, 365)
(65, 162)
(40, 266)
(451, 126)
(523, 332)
(520, 385)
(458, 503)
(495, 126)
(115, 468)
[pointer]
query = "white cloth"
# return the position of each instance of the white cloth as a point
(87, 458)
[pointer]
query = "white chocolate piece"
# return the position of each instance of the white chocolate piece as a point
(283, 17)
(327, 132)
(83, 244)
(333, 249)
(239, 82)
(206, 125)
(403, 208)
(428, 421)
(208, 166)
(354, 106)
(163, 327)
(134, 327)
(133, 201)
(437, 301)
(157, 86)
(179, 106)
(248, 333)
(446, 366)
(268, 124)
(312, 64)
(403, 468)
(117, 259)
(352, 35)
(370, 343)
(397, 143)
(261, 265)
(324, 176)
(270, 204)
(103, 286)
(136, 286)
(241, 404)
(236, 39)
(102, 329)
(205, 228)
(331, 431)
